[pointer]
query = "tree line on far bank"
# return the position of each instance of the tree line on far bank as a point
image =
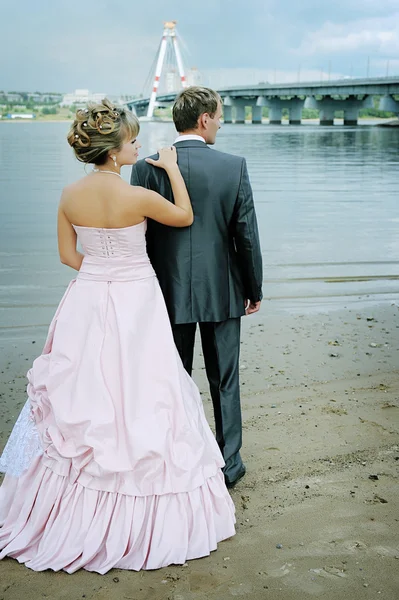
(48, 110)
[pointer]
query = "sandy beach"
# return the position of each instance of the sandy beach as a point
(318, 511)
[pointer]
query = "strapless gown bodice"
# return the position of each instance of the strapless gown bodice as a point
(114, 254)
(123, 242)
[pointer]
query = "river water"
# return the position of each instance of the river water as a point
(327, 200)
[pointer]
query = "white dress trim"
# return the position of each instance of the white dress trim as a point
(23, 445)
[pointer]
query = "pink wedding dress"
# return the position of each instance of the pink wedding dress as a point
(112, 462)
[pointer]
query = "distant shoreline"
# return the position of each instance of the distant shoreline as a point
(36, 120)
(375, 120)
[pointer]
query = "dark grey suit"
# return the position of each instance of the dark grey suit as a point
(206, 271)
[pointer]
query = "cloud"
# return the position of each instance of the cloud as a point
(110, 45)
(365, 36)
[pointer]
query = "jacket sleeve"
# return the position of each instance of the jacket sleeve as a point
(135, 176)
(145, 175)
(246, 238)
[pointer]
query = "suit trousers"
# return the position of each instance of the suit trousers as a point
(221, 350)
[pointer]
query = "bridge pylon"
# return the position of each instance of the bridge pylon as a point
(169, 37)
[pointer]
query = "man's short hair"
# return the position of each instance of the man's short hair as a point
(191, 103)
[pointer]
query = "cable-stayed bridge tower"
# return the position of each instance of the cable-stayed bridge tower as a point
(169, 44)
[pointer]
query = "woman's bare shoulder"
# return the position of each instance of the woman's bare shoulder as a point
(87, 188)
(73, 188)
(135, 191)
(67, 193)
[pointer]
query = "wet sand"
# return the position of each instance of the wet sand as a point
(317, 513)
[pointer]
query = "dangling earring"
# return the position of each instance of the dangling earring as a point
(114, 159)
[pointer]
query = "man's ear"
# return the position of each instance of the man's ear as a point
(203, 121)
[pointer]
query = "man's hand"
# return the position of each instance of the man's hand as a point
(251, 307)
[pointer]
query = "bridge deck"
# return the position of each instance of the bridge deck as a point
(343, 87)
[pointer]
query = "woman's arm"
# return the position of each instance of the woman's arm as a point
(67, 241)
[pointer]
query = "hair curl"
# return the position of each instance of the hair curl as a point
(100, 128)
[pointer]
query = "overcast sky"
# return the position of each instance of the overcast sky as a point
(109, 45)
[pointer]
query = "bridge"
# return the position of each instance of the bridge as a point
(347, 95)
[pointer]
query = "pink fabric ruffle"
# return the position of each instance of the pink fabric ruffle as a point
(53, 524)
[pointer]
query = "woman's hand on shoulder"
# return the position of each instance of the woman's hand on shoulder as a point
(167, 158)
(155, 206)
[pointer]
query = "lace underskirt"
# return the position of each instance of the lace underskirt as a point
(23, 445)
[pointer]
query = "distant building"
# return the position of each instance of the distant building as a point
(23, 97)
(173, 81)
(51, 98)
(193, 76)
(81, 98)
(13, 97)
(36, 97)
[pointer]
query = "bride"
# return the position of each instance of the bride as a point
(111, 462)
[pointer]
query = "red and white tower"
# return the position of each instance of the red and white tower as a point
(169, 37)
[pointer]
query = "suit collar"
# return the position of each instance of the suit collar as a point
(190, 144)
(185, 137)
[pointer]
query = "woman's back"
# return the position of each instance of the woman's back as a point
(102, 200)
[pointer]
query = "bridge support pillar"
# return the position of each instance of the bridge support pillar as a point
(227, 114)
(257, 115)
(351, 115)
(351, 106)
(326, 107)
(240, 112)
(389, 104)
(141, 111)
(295, 107)
(276, 105)
(327, 115)
(275, 111)
(239, 106)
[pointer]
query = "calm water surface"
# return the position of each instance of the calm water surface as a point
(327, 201)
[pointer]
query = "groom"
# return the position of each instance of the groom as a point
(210, 273)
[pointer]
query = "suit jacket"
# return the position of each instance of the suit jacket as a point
(206, 271)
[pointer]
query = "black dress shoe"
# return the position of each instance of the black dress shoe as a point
(231, 484)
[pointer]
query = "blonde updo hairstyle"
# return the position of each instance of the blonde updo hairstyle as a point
(100, 128)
